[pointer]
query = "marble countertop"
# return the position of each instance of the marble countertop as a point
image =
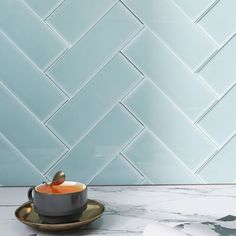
(193, 210)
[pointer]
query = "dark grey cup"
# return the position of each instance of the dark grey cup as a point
(59, 208)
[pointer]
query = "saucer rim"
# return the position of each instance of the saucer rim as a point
(85, 222)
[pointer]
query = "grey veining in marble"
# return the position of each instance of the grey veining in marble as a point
(194, 210)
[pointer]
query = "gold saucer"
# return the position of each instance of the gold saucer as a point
(26, 214)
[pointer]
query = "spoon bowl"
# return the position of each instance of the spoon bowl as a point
(58, 178)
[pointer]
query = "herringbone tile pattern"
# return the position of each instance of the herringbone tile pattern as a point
(117, 91)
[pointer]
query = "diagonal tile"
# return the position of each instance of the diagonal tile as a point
(170, 125)
(220, 72)
(220, 21)
(80, 16)
(94, 50)
(27, 82)
(43, 7)
(99, 146)
(155, 60)
(194, 8)
(94, 100)
(156, 162)
(26, 174)
(219, 122)
(221, 169)
(111, 176)
(26, 133)
(175, 29)
(29, 33)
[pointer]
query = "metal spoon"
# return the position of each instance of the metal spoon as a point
(58, 178)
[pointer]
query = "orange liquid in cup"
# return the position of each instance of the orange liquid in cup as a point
(60, 189)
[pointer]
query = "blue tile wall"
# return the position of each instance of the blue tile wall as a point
(117, 91)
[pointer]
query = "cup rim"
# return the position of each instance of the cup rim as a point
(66, 182)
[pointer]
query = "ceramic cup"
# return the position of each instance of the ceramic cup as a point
(59, 208)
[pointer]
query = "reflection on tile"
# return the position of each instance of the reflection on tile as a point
(29, 33)
(172, 26)
(173, 128)
(99, 146)
(24, 174)
(221, 169)
(43, 7)
(194, 8)
(155, 60)
(27, 82)
(219, 123)
(118, 172)
(220, 21)
(156, 162)
(94, 100)
(220, 71)
(78, 16)
(94, 50)
(27, 134)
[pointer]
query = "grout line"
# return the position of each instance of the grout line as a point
(90, 79)
(28, 59)
(227, 141)
(142, 182)
(205, 62)
(231, 88)
(208, 109)
(98, 121)
(102, 67)
(131, 113)
(76, 42)
(60, 56)
(178, 58)
(132, 139)
(84, 85)
(225, 42)
(214, 154)
(55, 111)
(171, 152)
(22, 156)
(199, 169)
(131, 63)
(207, 36)
(207, 136)
(47, 170)
(65, 42)
(135, 167)
(132, 90)
(60, 5)
(215, 53)
(114, 156)
(166, 147)
(58, 137)
(39, 18)
(96, 124)
(201, 179)
(58, 86)
(213, 4)
(21, 51)
(29, 111)
(131, 39)
(94, 24)
(204, 83)
(181, 112)
(132, 13)
(200, 80)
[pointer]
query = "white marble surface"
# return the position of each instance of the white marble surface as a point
(192, 210)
